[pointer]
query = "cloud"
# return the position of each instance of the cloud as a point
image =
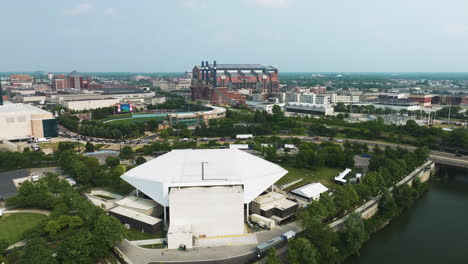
(111, 11)
(272, 3)
(78, 10)
(194, 4)
(456, 29)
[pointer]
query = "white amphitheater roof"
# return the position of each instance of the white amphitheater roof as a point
(182, 168)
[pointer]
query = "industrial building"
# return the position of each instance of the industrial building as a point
(204, 192)
(306, 108)
(220, 83)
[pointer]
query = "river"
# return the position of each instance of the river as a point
(435, 230)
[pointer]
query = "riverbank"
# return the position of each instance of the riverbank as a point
(432, 231)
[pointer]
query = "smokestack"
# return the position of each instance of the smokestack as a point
(1, 93)
(207, 71)
(203, 70)
(214, 75)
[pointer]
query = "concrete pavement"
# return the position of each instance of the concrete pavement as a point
(221, 254)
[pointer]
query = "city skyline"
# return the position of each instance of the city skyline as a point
(292, 35)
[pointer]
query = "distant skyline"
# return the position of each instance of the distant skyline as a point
(292, 35)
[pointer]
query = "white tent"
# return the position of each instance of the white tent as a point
(310, 191)
(203, 167)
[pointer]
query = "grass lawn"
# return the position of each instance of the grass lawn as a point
(133, 234)
(12, 226)
(323, 175)
(135, 120)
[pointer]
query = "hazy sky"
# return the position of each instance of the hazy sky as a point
(292, 35)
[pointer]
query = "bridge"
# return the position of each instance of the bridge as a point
(450, 162)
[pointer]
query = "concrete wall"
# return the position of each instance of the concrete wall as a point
(90, 104)
(371, 207)
(211, 211)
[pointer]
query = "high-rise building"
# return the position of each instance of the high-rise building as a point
(75, 80)
(60, 82)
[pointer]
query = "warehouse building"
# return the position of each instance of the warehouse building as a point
(80, 105)
(306, 108)
(204, 192)
(23, 121)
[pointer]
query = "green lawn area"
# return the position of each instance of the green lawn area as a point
(136, 120)
(133, 234)
(12, 226)
(323, 175)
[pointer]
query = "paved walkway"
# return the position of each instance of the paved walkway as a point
(36, 211)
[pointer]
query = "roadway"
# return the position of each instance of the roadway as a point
(444, 158)
(221, 254)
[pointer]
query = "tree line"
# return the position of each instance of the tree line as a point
(75, 232)
(320, 244)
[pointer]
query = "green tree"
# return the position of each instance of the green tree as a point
(76, 247)
(302, 251)
(126, 152)
(37, 251)
(107, 232)
(112, 161)
(387, 206)
(272, 257)
(140, 160)
(89, 147)
(3, 246)
(403, 195)
(345, 197)
(322, 237)
(354, 234)
(329, 204)
(62, 146)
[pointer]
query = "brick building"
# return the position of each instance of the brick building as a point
(60, 82)
(229, 79)
(421, 99)
(21, 78)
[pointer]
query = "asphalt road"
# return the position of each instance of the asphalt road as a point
(438, 155)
